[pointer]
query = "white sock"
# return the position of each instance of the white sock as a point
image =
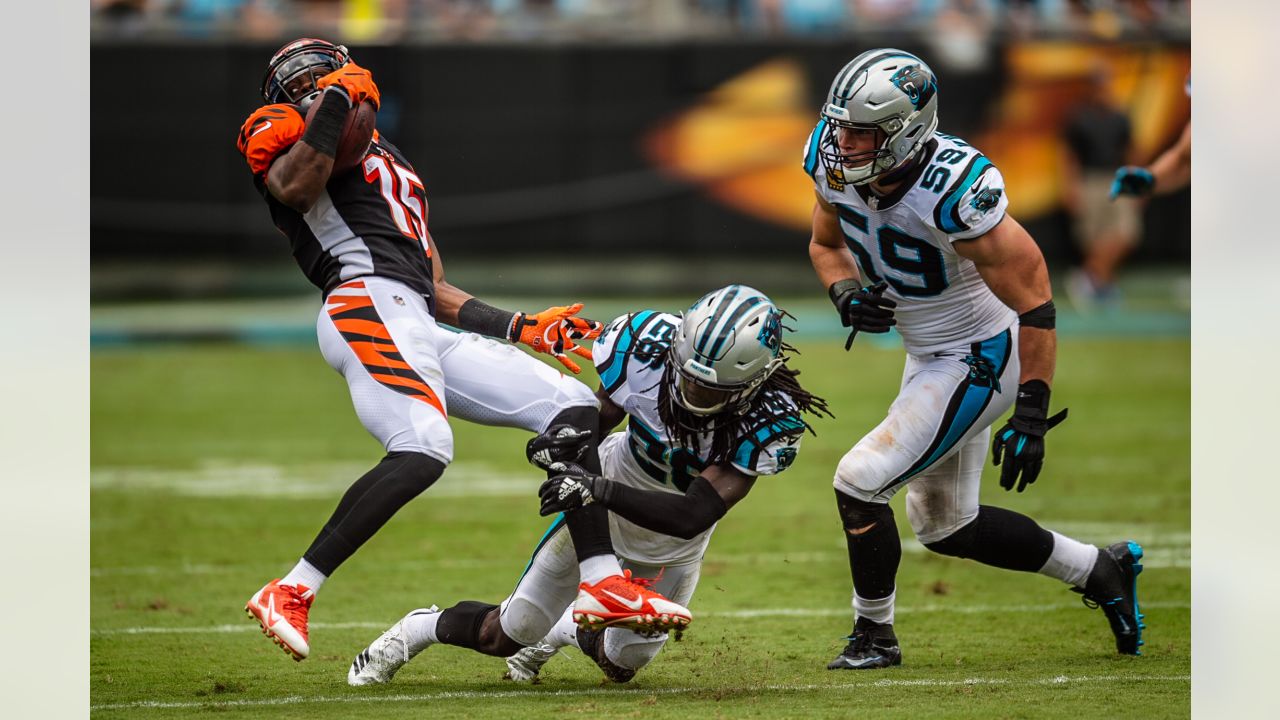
(1071, 560)
(877, 611)
(565, 632)
(594, 569)
(420, 629)
(305, 573)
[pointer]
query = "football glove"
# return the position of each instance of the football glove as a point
(559, 445)
(572, 489)
(357, 81)
(553, 331)
(862, 308)
(1020, 443)
(1131, 180)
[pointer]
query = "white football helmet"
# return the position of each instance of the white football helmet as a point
(886, 89)
(726, 347)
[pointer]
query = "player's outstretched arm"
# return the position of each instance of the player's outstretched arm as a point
(1014, 268)
(553, 331)
(685, 516)
(297, 177)
(1170, 172)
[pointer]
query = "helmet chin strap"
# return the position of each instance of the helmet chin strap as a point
(900, 172)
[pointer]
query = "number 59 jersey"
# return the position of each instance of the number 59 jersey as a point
(906, 239)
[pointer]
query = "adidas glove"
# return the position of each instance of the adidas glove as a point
(559, 445)
(1020, 443)
(571, 490)
(862, 308)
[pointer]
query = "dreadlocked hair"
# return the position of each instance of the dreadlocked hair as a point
(768, 406)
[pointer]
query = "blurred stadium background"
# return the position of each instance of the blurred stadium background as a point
(563, 139)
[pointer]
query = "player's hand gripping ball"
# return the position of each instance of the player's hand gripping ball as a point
(357, 133)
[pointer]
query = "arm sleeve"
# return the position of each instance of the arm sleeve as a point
(683, 516)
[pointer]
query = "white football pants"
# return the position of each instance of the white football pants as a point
(407, 374)
(934, 439)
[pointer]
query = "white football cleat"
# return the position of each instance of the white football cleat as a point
(378, 663)
(524, 665)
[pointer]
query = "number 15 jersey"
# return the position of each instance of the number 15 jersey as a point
(906, 239)
(371, 220)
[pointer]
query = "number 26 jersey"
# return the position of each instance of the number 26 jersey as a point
(906, 239)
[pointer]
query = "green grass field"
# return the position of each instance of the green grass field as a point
(213, 466)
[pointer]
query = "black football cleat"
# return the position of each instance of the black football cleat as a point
(871, 646)
(1113, 586)
(592, 644)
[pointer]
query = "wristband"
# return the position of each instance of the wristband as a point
(325, 127)
(479, 317)
(839, 288)
(1033, 400)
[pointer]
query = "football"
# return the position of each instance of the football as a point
(357, 133)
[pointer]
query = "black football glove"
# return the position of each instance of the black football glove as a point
(573, 489)
(862, 308)
(1023, 436)
(560, 444)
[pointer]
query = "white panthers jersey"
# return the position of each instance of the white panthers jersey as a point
(630, 357)
(905, 238)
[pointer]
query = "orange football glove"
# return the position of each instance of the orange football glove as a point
(357, 81)
(553, 331)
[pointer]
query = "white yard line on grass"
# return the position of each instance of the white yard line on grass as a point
(733, 614)
(600, 693)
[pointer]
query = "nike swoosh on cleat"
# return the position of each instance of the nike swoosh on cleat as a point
(635, 604)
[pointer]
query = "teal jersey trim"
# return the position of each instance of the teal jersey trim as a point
(947, 216)
(811, 154)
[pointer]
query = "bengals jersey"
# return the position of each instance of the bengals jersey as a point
(369, 221)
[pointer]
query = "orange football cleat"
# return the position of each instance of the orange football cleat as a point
(626, 602)
(281, 610)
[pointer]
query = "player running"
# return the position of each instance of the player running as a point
(711, 405)
(920, 217)
(362, 238)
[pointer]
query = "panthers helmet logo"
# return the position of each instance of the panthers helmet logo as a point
(916, 84)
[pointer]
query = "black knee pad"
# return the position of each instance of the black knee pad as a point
(858, 514)
(412, 472)
(959, 543)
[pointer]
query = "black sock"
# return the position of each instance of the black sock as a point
(875, 550)
(460, 624)
(369, 503)
(1000, 538)
(588, 526)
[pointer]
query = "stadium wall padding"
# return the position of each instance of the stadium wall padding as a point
(524, 149)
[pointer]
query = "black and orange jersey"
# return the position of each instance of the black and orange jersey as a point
(368, 221)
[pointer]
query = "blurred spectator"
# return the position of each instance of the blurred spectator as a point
(781, 17)
(1098, 139)
(120, 17)
(961, 34)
